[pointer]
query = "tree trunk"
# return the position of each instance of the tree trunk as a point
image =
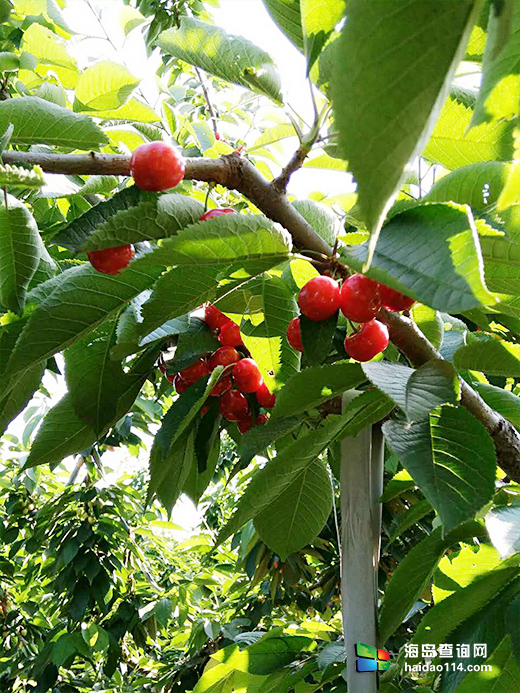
(361, 486)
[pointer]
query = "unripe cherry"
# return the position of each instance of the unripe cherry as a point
(294, 334)
(157, 166)
(111, 260)
(371, 340)
(360, 299)
(319, 298)
(246, 376)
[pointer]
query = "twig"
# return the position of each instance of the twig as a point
(296, 162)
(207, 99)
(236, 173)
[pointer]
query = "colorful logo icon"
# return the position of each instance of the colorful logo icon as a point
(370, 658)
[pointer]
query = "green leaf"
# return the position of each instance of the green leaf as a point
(103, 87)
(176, 467)
(133, 111)
(458, 569)
(504, 675)
(414, 572)
(444, 617)
(51, 53)
(431, 254)
(429, 322)
(299, 513)
(294, 462)
(82, 299)
(224, 240)
(499, 94)
(18, 177)
(397, 485)
(454, 144)
(313, 386)
(320, 217)
(502, 401)
(502, 263)
(93, 379)
(130, 18)
(18, 398)
(231, 58)
(503, 526)
(286, 14)
(148, 220)
(317, 338)
(386, 44)
(489, 355)
(76, 234)
(9, 62)
(259, 438)
(390, 378)
(478, 185)
(20, 245)
(175, 422)
(408, 519)
(431, 385)
(319, 17)
(271, 306)
(37, 121)
(63, 433)
(451, 458)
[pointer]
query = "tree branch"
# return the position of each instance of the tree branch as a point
(236, 172)
(296, 162)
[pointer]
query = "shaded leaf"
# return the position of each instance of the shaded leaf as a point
(489, 355)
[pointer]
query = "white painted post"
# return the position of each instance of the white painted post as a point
(361, 485)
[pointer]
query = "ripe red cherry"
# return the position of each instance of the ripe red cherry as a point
(294, 334)
(195, 372)
(246, 376)
(204, 410)
(179, 383)
(224, 356)
(214, 317)
(371, 340)
(265, 398)
(212, 213)
(233, 405)
(319, 298)
(244, 425)
(229, 335)
(360, 299)
(157, 166)
(111, 260)
(222, 386)
(394, 300)
(217, 135)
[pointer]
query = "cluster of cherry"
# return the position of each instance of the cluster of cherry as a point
(360, 299)
(240, 377)
(158, 166)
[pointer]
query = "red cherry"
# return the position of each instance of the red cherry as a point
(262, 419)
(214, 317)
(223, 385)
(319, 298)
(204, 410)
(294, 334)
(179, 383)
(157, 166)
(211, 213)
(230, 335)
(394, 300)
(245, 425)
(233, 405)
(195, 372)
(217, 136)
(246, 376)
(360, 299)
(111, 260)
(162, 367)
(265, 398)
(224, 356)
(371, 340)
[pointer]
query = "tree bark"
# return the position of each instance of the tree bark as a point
(236, 172)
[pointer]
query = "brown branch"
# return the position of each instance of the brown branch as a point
(235, 172)
(296, 162)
